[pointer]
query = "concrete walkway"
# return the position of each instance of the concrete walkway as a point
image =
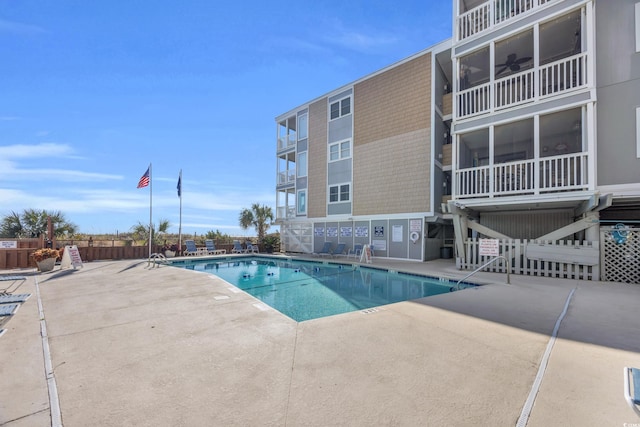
(131, 346)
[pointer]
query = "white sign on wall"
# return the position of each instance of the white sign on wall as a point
(489, 247)
(8, 244)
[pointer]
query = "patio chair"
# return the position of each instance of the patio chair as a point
(14, 298)
(237, 248)
(7, 310)
(339, 250)
(326, 249)
(211, 248)
(191, 248)
(13, 280)
(252, 248)
(632, 393)
(355, 251)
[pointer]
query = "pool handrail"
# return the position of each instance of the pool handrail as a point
(483, 266)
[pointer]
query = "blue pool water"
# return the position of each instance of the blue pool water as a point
(306, 290)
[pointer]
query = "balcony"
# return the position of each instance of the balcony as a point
(541, 82)
(286, 142)
(491, 13)
(283, 212)
(287, 177)
(566, 172)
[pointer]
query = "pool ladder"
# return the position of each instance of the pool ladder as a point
(483, 266)
(156, 259)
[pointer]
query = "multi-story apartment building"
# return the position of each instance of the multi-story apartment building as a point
(512, 127)
(356, 166)
(532, 99)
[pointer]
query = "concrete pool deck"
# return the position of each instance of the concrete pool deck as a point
(171, 347)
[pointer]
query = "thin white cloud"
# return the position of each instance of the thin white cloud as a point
(8, 118)
(14, 174)
(10, 170)
(19, 28)
(46, 149)
(362, 42)
(293, 46)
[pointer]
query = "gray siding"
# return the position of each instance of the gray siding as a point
(340, 172)
(340, 129)
(341, 95)
(526, 225)
(618, 73)
(339, 208)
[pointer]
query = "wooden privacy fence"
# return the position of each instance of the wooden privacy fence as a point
(21, 257)
(561, 259)
(90, 250)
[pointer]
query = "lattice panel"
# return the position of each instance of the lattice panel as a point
(622, 261)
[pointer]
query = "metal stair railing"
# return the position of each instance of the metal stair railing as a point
(483, 266)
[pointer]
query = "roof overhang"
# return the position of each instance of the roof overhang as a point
(567, 200)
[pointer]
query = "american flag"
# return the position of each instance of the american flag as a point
(144, 181)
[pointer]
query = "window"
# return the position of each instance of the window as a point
(302, 202)
(303, 119)
(339, 193)
(339, 151)
(340, 108)
(302, 164)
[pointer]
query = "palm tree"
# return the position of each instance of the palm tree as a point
(257, 216)
(33, 223)
(11, 226)
(141, 231)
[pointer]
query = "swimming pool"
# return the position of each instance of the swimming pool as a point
(304, 290)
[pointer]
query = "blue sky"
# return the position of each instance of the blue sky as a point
(92, 92)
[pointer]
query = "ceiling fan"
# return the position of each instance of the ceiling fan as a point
(512, 63)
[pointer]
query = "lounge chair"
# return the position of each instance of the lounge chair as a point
(632, 393)
(9, 298)
(339, 250)
(191, 248)
(7, 310)
(252, 248)
(13, 280)
(326, 249)
(355, 251)
(211, 248)
(237, 248)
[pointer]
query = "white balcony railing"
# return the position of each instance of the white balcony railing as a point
(474, 101)
(283, 212)
(548, 80)
(285, 142)
(473, 182)
(567, 172)
(491, 13)
(563, 75)
(287, 177)
(515, 89)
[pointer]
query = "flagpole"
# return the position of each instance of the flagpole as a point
(180, 226)
(150, 209)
